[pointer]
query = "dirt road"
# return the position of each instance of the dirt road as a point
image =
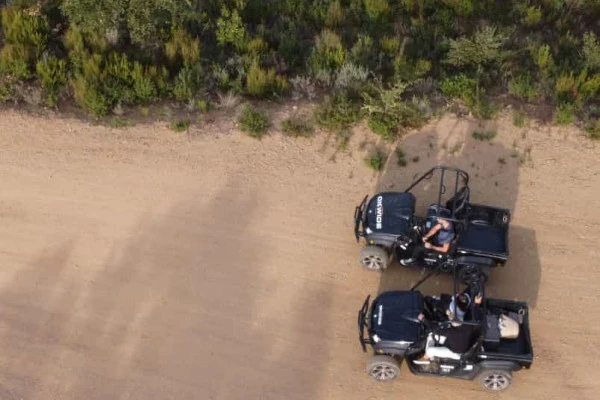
(144, 264)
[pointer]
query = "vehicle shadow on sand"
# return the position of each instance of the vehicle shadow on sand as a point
(494, 180)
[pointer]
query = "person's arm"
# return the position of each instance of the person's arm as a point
(434, 229)
(443, 249)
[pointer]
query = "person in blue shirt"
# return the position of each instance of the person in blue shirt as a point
(443, 231)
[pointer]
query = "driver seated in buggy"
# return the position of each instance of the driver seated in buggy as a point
(449, 341)
(448, 336)
(441, 232)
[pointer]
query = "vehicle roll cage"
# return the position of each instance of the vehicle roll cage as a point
(459, 173)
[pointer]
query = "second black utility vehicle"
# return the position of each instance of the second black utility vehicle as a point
(405, 325)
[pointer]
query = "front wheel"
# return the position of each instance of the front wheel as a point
(374, 258)
(383, 368)
(495, 380)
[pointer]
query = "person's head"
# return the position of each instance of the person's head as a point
(462, 302)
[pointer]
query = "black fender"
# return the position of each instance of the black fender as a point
(499, 364)
(392, 351)
(385, 241)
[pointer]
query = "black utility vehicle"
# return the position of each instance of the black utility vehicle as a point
(395, 333)
(391, 229)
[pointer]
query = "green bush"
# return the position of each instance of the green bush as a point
(351, 76)
(144, 88)
(7, 89)
(184, 47)
(409, 72)
(376, 9)
(22, 26)
(335, 14)
(591, 50)
(592, 129)
(390, 44)
(459, 86)
(566, 88)
(52, 74)
(542, 57)
(75, 45)
(384, 125)
(533, 16)
(471, 93)
(87, 87)
(519, 118)
(258, 48)
(25, 36)
(231, 30)
(387, 110)
(376, 160)
(591, 86)
(187, 83)
(484, 136)
(485, 47)
(343, 138)
(262, 82)
(564, 114)
(253, 122)
(180, 125)
(14, 61)
(401, 157)
(481, 107)
(117, 83)
(328, 54)
(296, 127)
(363, 51)
(337, 112)
(203, 106)
(522, 87)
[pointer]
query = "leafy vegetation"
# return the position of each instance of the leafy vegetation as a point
(180, 125)
(519, 118)
(338, 111)
(376, 160)
(484, 135)
(296, 126)
(253, 122)
(401, 157)
(384, 60)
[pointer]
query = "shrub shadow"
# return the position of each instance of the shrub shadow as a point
(172, 314)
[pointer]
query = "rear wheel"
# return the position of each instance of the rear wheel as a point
(495, 380)
(374, 258)
(383, 368)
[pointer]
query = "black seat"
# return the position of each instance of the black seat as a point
(459, 202)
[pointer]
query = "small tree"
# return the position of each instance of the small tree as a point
(52, 73)
(485, 47)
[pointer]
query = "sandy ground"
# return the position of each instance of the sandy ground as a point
(143, 264)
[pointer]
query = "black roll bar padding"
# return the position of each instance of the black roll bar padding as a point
(455, 196)
(440, 192)
(455, 292)
(428, 174)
